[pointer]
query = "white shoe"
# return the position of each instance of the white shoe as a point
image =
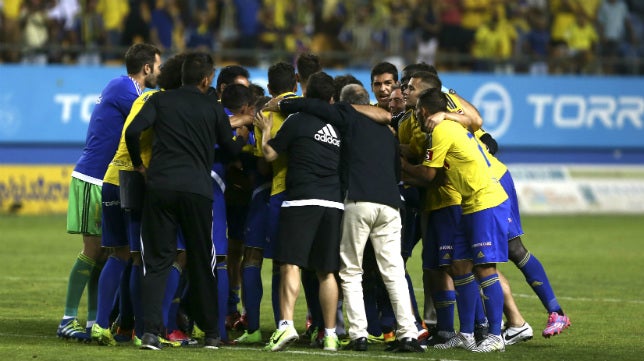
(460, 341)
(491, 343)
(512, 335)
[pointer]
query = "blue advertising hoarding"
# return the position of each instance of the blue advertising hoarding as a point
(559, 111)
(53, 104)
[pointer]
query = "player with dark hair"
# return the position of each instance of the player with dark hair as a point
(411, 69)
(381, 318)
(371, 210)
(383, 76)
(309, 221)
(227, 231)
(122, 227)
(261, 230)
(187, 125)
(258, 90)
(238, 101)
(438, 202)
(485, 222)
(517, 329)
(412, 143)
(231, 74)
(340, 81)
(306, 65)
(84, 214)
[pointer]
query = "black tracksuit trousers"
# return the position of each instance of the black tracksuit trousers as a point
(164, 213)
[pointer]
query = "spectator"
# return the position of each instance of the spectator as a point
(35, 33)
(91, 34)
(452, 40)
(11, 30)
(358, 36)
(582, 40)
(329, 18)
(200, 36)
(137, 23)
(274, 13)
(564, 13)
(248, 25)
(165, 18)
(476, 13)
(637, 20)
(399, 36)
(297, 41)
(64, 22)
(427, 22)
(114, 13)
(537, 5)
(614, 22)
(493, 45)
(536, 44)
(517, 15)
(270, 36)
(414, 30)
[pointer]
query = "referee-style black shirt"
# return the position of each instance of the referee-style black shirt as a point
(371, 158)
(187, 125)
(313, 149)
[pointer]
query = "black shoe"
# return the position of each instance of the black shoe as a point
(392, 346)
(359, 344)
(435, 339)
(409, 344)
(426, 334)
(480, 332)
(213, 343)
(150, 342)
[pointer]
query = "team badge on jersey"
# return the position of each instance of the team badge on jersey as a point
(429, 155)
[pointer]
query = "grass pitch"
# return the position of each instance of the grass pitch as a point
(594, 264)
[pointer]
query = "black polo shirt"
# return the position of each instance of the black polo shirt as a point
(187, 125)
(313, 149)
(371, 158)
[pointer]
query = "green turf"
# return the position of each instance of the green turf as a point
(594, 264)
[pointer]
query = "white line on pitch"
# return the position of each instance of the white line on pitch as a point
(367, 354)
(615, 300)
(580, 299)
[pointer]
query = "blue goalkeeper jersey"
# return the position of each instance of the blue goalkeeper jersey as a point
(105, 126)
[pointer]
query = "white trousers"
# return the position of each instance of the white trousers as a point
(363, 220)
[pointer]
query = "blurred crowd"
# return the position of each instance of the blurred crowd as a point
(505, 36)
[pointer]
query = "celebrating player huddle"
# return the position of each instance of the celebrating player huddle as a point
(337, 192)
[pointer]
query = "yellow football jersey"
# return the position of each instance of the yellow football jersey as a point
(409, 132)
(444, 195)
(467, 167)
(496, 166)
(453, 104)
(280, 164)
(121, 160)
(440, 197)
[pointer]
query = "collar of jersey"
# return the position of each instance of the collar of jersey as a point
(138, 88)
(287, 95)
